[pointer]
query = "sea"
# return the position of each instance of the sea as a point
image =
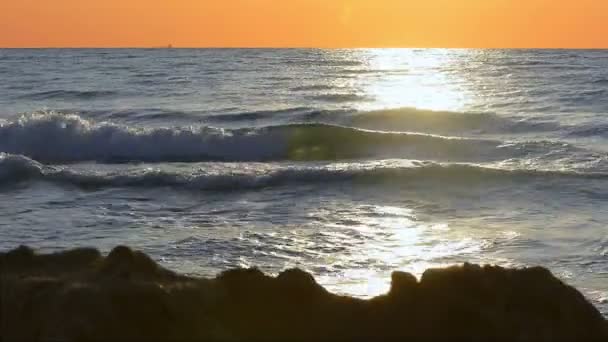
(347, 163)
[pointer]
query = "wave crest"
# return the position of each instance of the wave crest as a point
(15, 168)
(444, 122)
(56, 137)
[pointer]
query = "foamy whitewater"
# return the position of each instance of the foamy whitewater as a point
(347, 163)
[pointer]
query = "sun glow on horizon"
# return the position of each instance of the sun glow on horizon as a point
(304, 23)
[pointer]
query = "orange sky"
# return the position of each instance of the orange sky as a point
(308, 23)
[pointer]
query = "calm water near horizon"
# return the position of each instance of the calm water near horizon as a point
(347, 163)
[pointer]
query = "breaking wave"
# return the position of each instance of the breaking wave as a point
(58, 138)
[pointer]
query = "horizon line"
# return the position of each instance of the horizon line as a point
(297, 47)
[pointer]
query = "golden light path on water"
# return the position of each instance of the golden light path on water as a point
(396, 238)
(394, 78)
(415, 80)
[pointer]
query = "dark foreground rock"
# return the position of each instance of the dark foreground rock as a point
(82, 295)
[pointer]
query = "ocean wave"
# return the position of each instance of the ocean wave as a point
(276, 114)
(397, 120)
(364, 71)
(340, 97)
(17, 167)
(142, 114)
(602, 81)
(313, 87)
(391, 120)
(588, 130)
(69, 94)
(14, 168)
(419, 120)
(56, 138)
(593, 92)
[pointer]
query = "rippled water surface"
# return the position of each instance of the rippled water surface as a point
(347, 163)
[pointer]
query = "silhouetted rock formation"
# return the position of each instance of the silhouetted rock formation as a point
(81, 295)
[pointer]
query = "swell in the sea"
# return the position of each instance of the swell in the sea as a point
(70, 94)
(18, 168)
(63, 138)
(398, 119)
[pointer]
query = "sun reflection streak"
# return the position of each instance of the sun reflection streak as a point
(424, 79)
(394, 240)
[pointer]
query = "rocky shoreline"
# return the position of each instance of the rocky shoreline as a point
(80, 294)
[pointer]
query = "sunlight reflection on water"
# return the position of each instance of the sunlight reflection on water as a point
(392, 78)
(395, 240)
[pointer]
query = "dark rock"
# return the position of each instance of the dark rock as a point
(81, 295)
(124, 263)
(402, 283)
(297, 281)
